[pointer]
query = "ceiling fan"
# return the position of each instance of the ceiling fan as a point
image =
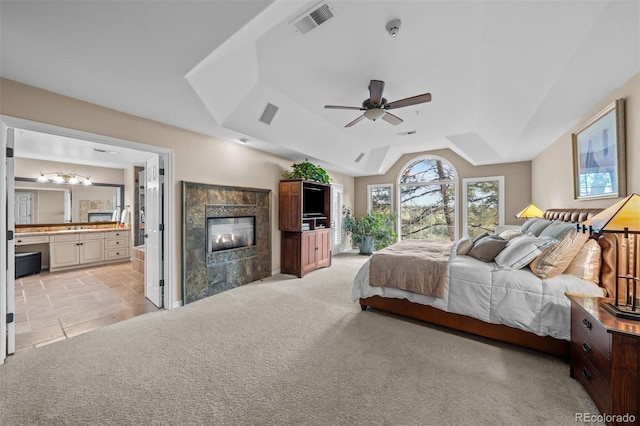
(376, 106)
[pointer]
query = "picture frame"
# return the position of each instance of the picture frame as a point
(599, 164)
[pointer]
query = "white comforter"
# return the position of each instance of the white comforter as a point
(516, 298)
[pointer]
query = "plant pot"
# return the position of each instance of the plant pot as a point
(366, 245)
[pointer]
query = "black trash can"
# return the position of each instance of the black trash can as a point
(28, 263)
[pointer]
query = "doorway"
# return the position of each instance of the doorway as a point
(159, 259)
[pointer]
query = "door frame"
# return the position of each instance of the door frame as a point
(168, 238)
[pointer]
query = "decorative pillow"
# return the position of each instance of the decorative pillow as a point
(464, 245)
(554, 260)
(510, 234)
(539, 226)
(586, 264)
(521, 251)
(558, 230)
(487, 248)
(527, 224)
(479, 237)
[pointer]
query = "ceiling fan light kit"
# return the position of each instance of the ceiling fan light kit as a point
(374, 114)
(377, 107)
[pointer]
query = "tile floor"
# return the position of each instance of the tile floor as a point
(53, 306)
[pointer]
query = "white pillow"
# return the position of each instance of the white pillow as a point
(510, 234)
(464, 245)
(522, 250)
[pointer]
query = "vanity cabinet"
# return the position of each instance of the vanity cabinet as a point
(116, 245)
(70, 250)
(67, 251)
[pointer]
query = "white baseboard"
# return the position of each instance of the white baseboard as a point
(176, 304)
(275, 272)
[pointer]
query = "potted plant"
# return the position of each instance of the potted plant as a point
(373, 230)
(307, 171)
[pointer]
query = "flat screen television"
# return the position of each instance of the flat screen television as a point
(313, 202)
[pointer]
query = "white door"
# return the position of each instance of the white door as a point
(153, 235)
(7, 251)
(336, 218)
(23, 207)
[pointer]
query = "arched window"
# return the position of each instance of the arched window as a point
(427, 199)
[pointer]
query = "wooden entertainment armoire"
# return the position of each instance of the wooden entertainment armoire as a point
(305, 222)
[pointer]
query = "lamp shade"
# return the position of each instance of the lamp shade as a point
(621, 215)
(530, 211)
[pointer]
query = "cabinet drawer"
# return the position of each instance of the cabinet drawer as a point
(65, 237)
(583, 345)
(112, 254)
(583, 372)
(593, 330)
(92, 236)
(116, 243)
(34, 239)
(116, 234)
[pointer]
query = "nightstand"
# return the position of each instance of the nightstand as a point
(605, 357)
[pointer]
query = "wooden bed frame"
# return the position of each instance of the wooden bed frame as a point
(503, 333)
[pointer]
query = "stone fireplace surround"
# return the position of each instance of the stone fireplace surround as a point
(206, 274)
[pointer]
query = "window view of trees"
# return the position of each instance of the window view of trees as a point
(427, 200)
(483, 204)
(380, 199)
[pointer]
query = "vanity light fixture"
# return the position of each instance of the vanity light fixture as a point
(61, 177)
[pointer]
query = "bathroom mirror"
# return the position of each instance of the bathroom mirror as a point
(44, 203)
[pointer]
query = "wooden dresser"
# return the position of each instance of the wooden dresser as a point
(605, 358)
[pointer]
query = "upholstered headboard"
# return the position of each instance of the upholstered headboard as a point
(570, 215)
(607, 269)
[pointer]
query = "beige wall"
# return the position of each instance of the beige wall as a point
(517, 182)
(552, 170)
(196, 157)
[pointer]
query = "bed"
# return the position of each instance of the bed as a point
(510, 305)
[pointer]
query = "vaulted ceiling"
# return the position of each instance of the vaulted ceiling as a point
(507, 78)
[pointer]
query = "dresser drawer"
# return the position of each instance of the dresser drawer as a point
(583, 345)
(583, 372)
(116, 234)
(59, 238)
(33, 239)
(92, 236)
(116, 243)
(593, 330)
(119, 253)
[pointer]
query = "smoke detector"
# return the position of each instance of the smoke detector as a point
(393, 27)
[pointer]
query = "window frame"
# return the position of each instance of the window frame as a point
(454, 182)
(379, 185)
(465, 203)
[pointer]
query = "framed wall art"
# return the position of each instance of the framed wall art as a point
(599, 155)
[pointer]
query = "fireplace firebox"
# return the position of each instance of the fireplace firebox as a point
(225, 233)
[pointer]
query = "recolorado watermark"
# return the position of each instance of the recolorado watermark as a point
(604, 418)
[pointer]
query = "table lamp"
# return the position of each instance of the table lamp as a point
(621, 218)
(530, 211)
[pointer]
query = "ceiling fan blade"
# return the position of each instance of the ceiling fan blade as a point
(375, 91)
(392, 119)
(355, 121)
(343, 107)
(419, 99)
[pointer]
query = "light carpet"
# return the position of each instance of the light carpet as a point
(285, 351)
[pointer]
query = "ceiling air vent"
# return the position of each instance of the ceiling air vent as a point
(268, 113)
(309, 20)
